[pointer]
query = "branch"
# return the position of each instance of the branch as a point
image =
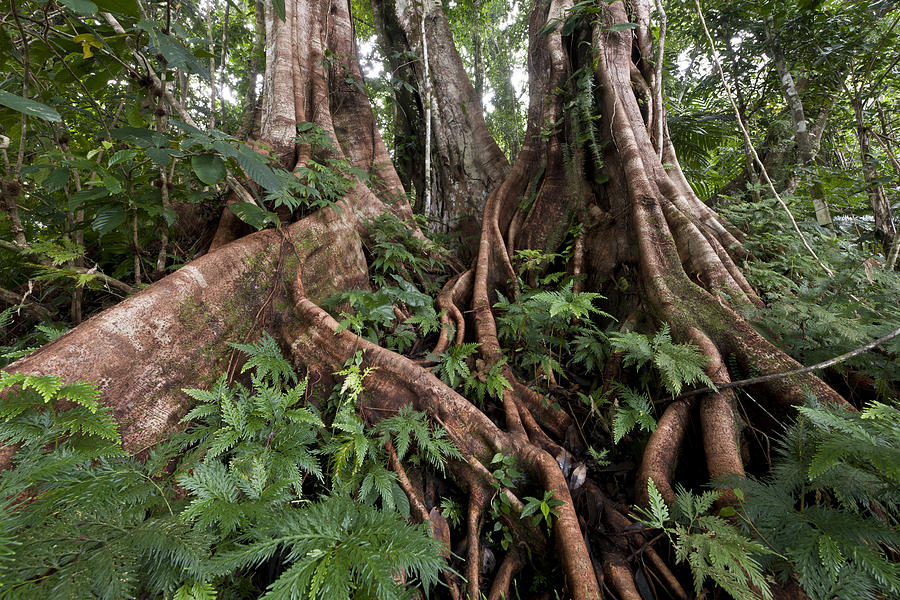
(177, 106)
(111, 282)
(34, 308)
(822, 365)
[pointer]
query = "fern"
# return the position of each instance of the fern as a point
(94, 522)
(82, 518)
(712, 547)
(488, 382)
(636, 412)
(430, 440)
(29, 392)
(265, 356)
(822, 509)
(677, 364)
(453, 364)
(59, 251)
(338, 549)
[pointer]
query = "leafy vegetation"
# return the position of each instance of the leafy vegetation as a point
(81, 516)
(711, 545)
(828, 511)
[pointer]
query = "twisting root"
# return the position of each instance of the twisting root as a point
(616, 568)
(477, 501)
(508, 568)
(406, 485)
(720, 434)
(661, 452)
(454, 293)
(668, 578)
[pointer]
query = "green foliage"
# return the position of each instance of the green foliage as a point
(24, 407)
(339, 549)
(712, 547)
(634, 410)
(813, 315)
(409, 426)
(488, 382)
(677, 364)
(540, 323)
(541, 509)
(830, 506)
(504, 470)
(399, 254)
(258, 447)
(373, 316)
(358, 456)
(453, 365)
(82, 518)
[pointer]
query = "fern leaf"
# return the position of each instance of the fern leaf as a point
(81, 392)
(45, 385)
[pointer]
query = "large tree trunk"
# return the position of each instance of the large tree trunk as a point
(642, 223)
(466, 162)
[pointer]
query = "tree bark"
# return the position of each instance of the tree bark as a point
(467, 162)
(798, 118)
(885, 228)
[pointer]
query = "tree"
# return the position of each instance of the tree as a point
(597, 167)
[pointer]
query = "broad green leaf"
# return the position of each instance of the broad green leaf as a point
(81, 7)
(121, 156)
(178, 56)
(622, 26)
(257, 170)
(29, 107)
(57, 178)
(112, 184)
(252, 214)
(210, 169)
(278, 5)
(161, 156)
(139, 136)
(122, 7)
(108, 219)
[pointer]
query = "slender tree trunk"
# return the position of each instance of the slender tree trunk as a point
(881, 209)
(798, 118)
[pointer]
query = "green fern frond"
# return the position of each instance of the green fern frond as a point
(341, 549)
(635, 347)
(265, 357)
(634, 410)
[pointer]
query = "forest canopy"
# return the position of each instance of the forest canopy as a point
(459, 299)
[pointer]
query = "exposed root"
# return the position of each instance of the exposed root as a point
(464, 422)
(619, 573)
(503, 579)
(455, 292)
(415, 501)
(672, 584)
(477, 501)
(661, 452)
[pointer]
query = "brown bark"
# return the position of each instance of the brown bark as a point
(885, 227)
(467, 164)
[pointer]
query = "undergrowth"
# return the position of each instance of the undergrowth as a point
(262, 492)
